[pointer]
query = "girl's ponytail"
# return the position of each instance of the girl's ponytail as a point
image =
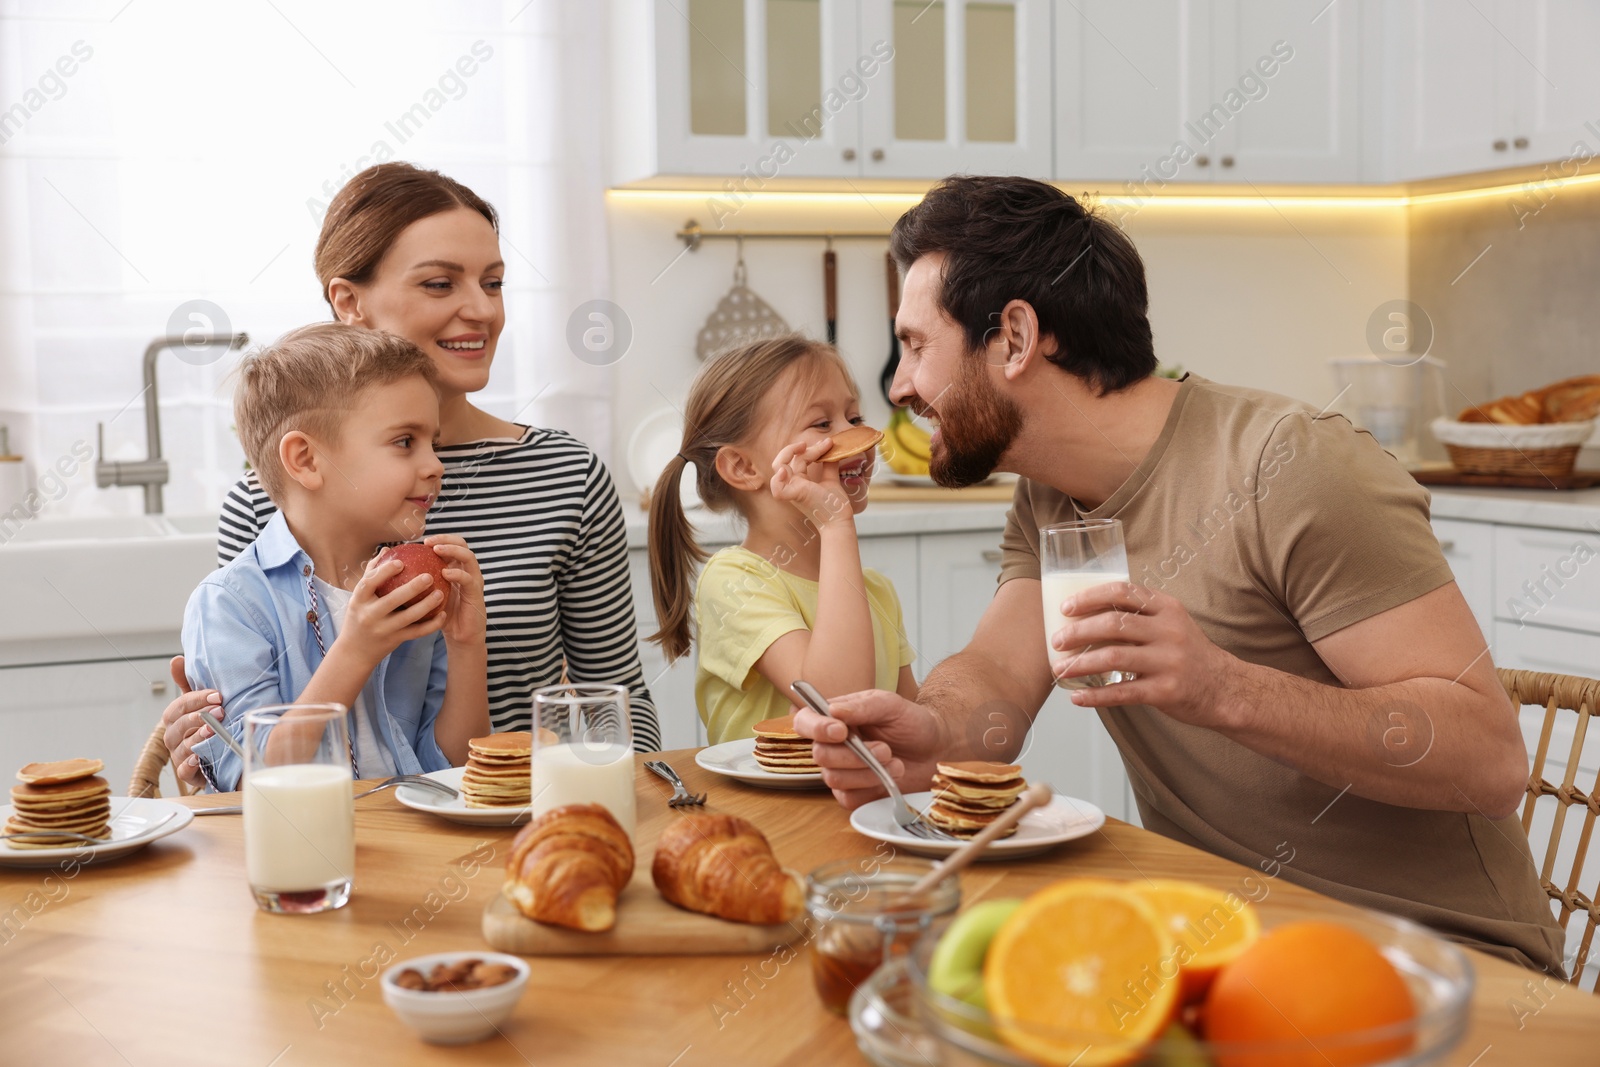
(674, 555)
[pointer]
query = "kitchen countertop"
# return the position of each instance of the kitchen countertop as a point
(1561, 509)
(879, 520)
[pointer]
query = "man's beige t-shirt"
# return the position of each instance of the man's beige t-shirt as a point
(1276, 526)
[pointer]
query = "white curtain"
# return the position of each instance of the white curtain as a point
(167, 151)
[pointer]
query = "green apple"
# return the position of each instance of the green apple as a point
(956, 969)
(1177, 1047)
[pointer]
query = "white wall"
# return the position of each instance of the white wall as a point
(1254, 293)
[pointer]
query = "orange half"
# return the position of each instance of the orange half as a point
(1212, 927)
(1075, 976)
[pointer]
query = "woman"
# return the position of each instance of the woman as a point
(412, 252)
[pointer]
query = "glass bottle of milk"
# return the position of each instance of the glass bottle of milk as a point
(1074, 556)
(299, 807)
(583, 750)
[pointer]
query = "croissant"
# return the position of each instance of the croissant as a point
(722, 865)
(567, 866)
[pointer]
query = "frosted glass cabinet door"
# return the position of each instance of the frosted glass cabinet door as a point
(1130, 75)
(759, 89)
(968, 88)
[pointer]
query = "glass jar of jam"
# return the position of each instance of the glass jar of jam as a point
(862, 914)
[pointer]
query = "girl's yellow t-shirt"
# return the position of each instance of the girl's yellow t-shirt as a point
(742, 604)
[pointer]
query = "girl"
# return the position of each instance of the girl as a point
(416, 253)
(792, 601)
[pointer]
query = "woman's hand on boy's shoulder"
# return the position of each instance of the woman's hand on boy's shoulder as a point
(811, 486)
(466, 620)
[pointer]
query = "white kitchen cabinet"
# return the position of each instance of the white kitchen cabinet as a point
(1304, 126)
(1504, 83)
(968, 89)
(1548, 577)
(957, 579)
(1469, 549)
(754, 90)
(1128, 78)
(101, 710)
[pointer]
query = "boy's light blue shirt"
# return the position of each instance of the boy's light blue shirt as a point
(246, 634)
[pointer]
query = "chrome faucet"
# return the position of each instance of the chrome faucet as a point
(151, 472)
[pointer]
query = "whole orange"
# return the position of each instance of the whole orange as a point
(1320, 992)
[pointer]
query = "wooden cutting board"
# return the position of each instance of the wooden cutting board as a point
(1451, 476)
(646, 926)
(888, 493)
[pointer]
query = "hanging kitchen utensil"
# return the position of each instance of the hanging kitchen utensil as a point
(886, 379)
(740, 316)
(830, 288)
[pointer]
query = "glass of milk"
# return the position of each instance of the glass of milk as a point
(1074, 556)
(299, 807)
(583, 750)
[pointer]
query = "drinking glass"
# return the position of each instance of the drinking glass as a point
(583, 750)
(1074, 556)
(299, 807)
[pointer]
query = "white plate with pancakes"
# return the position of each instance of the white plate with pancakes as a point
(737, 759)
(135, 822)
(456, 809)
(1063, 819)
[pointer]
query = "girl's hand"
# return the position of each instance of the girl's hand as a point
(466, 621)
(812, 487)
(375, 626)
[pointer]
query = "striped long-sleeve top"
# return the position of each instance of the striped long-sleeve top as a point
(542, 515)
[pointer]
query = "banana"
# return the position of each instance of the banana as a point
(901, 459)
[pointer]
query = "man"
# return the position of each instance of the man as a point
(1306, 672)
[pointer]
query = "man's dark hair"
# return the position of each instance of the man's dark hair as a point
(1018, 239)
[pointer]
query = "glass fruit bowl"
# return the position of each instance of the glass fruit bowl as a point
(899, 1021)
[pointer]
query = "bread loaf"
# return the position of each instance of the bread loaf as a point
(567, 866)
(1571, 400)
(722, 865)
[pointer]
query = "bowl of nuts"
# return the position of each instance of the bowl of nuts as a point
(452, 998)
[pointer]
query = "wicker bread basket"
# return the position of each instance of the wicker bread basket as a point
(1492, 448)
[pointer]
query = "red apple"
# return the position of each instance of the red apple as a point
(415, 559)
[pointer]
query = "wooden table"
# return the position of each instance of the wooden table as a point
(163, 959)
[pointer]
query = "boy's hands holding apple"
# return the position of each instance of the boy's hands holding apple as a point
(466, 621)
(383, 615)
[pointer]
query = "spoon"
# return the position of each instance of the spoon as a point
(1037, 795)
(221, 731)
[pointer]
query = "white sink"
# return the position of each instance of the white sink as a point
(101, 579)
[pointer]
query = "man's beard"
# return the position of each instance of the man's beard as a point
(976, 426)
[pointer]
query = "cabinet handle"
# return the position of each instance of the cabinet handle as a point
(1227, 161)
(849, 154)
(1520, 142)
(877, 155)
(992, 555)
(1500, 145)
(1446, 545)
(158, 688)
(1202, 161)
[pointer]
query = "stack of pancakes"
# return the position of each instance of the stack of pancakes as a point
(499, 771)
(969, 796)
(65, 796)
(782, 751)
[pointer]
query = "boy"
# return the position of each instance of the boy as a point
(339, 423)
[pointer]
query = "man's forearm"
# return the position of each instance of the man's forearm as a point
(1420, 743)
(980, 715)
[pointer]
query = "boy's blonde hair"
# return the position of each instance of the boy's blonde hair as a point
(724, 406)
(308, 380)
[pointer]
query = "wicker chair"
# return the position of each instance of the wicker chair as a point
(1581, 696)
(146, 780)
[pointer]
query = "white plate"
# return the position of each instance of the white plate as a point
(737, 759)
(133, 825)
(456, 810)
(651, 447)
(1063, 819)
(924, 481)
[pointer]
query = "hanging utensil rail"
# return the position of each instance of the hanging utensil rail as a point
(692, 235)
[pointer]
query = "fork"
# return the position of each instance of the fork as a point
(906, 817)
(681, 797)
(85, 838)
(410, 779)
